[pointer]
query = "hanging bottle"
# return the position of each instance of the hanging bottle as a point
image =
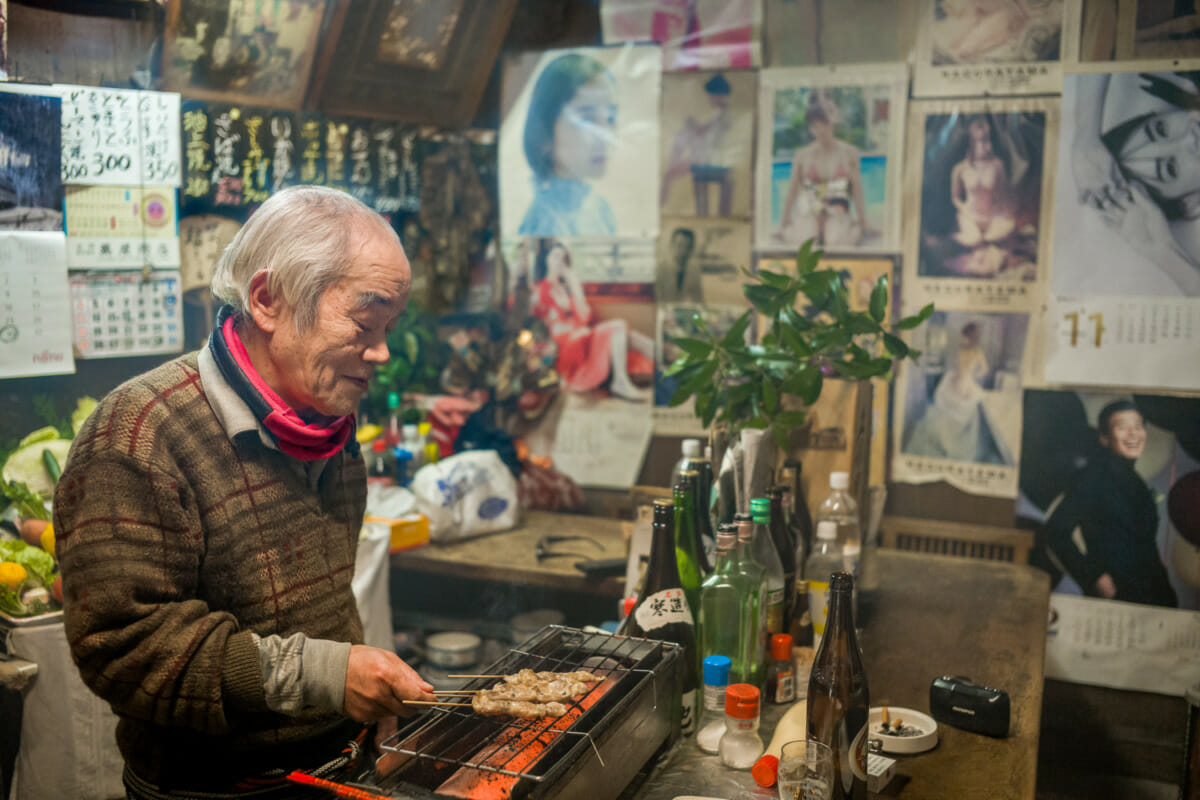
(662, 611)
(838, 700)
(686, 542)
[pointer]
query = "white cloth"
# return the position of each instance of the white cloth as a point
(370, 587)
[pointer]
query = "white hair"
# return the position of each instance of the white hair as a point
(302, 238)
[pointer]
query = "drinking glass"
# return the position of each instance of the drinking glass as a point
(805, 771)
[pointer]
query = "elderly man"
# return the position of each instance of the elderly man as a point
(210, 510)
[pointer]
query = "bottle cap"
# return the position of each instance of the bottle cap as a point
(410, 431)
(776, 490)
(841, 582)
(424, 428)
(827, 529)
(781, 646)
(760, 509)
(379, 446)
(708, 451)
(839, 480)
(627, 606)
(742, 517)
(741, 701)
(726, 540)
(402, 454)
(765, 770)
(691, 448)
(393, 401)
(716, 670)
(745, 530)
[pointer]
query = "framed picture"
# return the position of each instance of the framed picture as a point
(419, 60)
(241, 51)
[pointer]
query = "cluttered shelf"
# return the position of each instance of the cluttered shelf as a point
(924, 616)
(542, 551)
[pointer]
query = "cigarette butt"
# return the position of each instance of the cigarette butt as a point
(897, 724)
(885, 715)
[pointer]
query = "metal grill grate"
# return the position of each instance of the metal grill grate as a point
(531, 749)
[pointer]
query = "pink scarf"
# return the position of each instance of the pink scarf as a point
(296, 438)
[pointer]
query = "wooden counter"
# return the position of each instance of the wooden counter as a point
(928, 616)
(511, 556)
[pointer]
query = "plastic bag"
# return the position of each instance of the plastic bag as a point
(466, 495)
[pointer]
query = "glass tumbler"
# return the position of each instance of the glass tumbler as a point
(805, 771)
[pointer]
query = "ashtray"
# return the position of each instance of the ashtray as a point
(907, 730)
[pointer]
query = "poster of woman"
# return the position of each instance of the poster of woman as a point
(959, 406)
(977, 178)
(707, 143)
(997, 47)
(833, 136)
(578, 139)
(1109, 486)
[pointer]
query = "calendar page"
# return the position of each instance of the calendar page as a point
(33, 303)
(1124, 341)
(126, 314)
(115, 227)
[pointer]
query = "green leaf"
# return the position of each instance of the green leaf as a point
(770, 397)
(858, 324)
(895, 345)
(796, 320)
(806, 259)
(694, 382)
(879, 298)
(780, 435)
(693, 347)
(736, 335)
(792, 340)
(757, 423)
(412, 348)
(857, 370)
(774, 279)
(908, 323)
(760, 296)
(791, 419)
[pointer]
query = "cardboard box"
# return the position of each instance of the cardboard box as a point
(411, 530)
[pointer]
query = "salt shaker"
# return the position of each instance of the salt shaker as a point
(741, 746)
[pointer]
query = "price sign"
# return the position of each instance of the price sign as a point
(119, 137)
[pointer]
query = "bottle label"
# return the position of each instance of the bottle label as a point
(775, 611)
(785, 687)
(663, 608)
(714, 698)
(687, 720)
(818, 605)
(745, 724)
(850, 556)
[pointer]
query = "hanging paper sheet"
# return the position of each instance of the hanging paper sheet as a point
(34, 304)
(119, 137)
(122, 227)
(31, 193)
(813, 32)
(694, 34)
(126, 313)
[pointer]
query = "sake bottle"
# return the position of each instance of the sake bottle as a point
(687, 544)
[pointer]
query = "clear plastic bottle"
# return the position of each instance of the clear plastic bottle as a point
(383, 470)
(826, 559)
(712, 713)
(690, 450)
(393, 433)
(741, 745)
(839, 507)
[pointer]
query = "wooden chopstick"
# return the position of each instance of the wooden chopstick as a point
(476, 676)
(434, 703)
(462, 692)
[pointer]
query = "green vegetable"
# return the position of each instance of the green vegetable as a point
(45, 434)
(36, 561)
(51, 464)
(27, 465)
(29, 503)
(84, 406)
(10, 603)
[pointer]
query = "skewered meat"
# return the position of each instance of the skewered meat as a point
(528, 676)
(489, 705)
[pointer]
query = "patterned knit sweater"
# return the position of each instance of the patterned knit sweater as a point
(176, 545)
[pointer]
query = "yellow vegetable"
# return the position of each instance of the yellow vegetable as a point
(12, 575)
(48, 539)
(367, 433)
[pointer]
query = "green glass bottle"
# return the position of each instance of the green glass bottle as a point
(685, 537)
(721, 619)
(753, 611)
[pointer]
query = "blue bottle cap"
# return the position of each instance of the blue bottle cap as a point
(716, 670)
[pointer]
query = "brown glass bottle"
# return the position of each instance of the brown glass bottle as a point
(837, 695)
(785, 545)
(705, 537)
(799, 517)
(662, 612)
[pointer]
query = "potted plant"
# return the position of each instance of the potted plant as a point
(738, 385)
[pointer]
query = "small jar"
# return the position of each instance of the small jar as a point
(781, 672)
(741, 746)
(712, 719)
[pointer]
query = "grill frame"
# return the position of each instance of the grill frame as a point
(595, 756)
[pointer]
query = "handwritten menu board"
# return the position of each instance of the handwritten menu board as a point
(126, 314)
(203, 237)
(34, 300)
(120, 137)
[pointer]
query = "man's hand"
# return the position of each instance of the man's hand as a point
(377, 682)
(1105, 586)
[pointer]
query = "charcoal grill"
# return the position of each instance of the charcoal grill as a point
(592, 753)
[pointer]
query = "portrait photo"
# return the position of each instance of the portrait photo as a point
(828, 163)
(701, 261)
(1127, 206)
(31, 191)
(707, 143)
(1110, 487)
(801, 33)
(694, 34)
(960, 404)
(981, 185)
(241, 51)
(578, 142)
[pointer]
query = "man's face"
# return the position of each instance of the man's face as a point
(1126, 435)
(326, 368)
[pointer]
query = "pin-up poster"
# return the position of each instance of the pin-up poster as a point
(579, 143)
(1126, 282)
(707, 143)
(1110, 485)
(694, 34)
(993, 47)
(829, 147)
(701, 261)
(958, 408)
(813, 32)
(674, 321)
(594, 301)
(978, 184)
(31, 192)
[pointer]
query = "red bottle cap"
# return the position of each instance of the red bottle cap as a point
(741, 701)
(627, 605)
(781, 646)
(379, 446)
(765, 771)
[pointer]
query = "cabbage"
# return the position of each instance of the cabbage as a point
(36, 561)
(40, 435)
(26, 465)
(84, 406)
